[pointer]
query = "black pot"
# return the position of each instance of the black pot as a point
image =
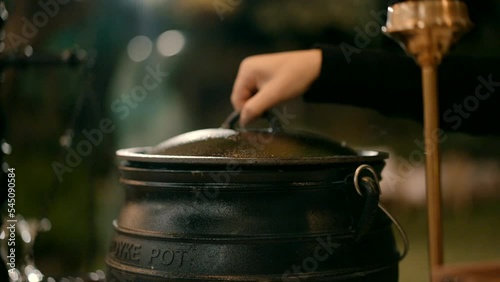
(252, 205)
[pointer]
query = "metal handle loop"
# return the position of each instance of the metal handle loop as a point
(368, 188)
(274, 121)
(373, 175)
(401, 231)
(373, 181)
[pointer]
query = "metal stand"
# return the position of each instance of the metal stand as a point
(426, 30)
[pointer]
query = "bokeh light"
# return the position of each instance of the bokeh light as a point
(170, 43)
(139, 48)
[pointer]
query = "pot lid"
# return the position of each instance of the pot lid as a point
(274, 142)
(273, 145)
(228, 143)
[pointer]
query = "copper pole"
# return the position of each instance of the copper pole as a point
(426, 29)
(432, 165)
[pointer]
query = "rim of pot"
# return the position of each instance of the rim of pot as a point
(139, 154)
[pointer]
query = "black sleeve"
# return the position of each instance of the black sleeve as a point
(469, 87)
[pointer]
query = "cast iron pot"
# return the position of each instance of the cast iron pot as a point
(227, 204)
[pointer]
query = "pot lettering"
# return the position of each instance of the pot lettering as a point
(167, 257)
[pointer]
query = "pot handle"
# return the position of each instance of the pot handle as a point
(369, 184)
(274, 122)
(402, 233)
(366, 185)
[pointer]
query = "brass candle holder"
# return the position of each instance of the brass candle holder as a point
(426, 30)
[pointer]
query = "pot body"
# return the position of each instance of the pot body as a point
(248, 223)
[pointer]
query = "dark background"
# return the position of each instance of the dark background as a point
(44, 106)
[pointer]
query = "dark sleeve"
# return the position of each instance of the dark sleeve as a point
(469, 87)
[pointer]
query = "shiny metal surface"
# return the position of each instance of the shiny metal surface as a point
(227, 145)
(374, 179)
(142, 155)
(258, 224)
(426, 30)
(223, 204)
(258, 144)
(272, 143)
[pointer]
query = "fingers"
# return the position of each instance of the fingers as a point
(266, 98)
(265, 81)
(255, 87)
(245, 86)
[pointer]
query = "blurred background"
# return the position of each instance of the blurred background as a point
(200, 44)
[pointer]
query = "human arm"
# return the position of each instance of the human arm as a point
(469, 87)
(266, 80)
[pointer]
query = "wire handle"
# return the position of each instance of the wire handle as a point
(369, 183)
(274, 122)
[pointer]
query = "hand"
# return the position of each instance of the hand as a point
(264, 81)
